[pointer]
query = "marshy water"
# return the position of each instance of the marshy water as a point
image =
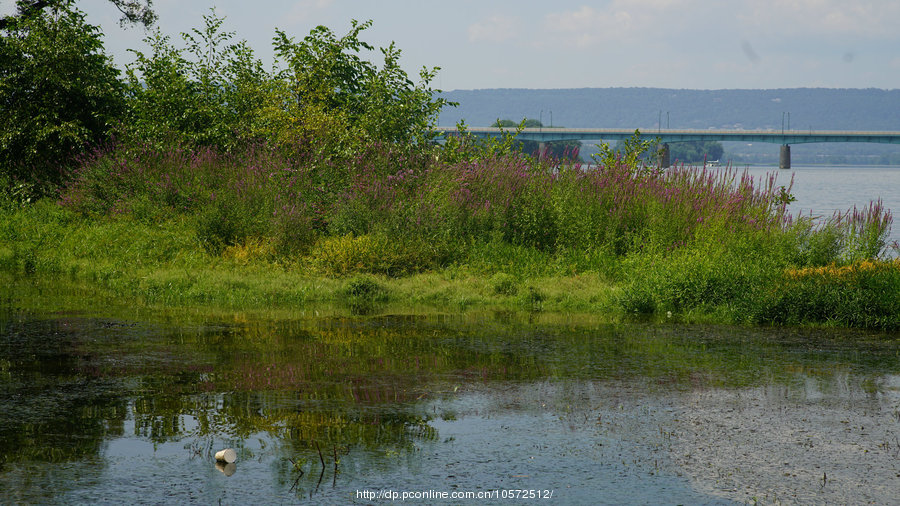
(105, 404)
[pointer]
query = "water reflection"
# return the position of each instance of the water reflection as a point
(329, 405)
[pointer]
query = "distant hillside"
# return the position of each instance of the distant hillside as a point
(800, 108)
(816, 108)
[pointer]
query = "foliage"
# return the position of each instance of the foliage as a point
(133, 11)
(553, 149)
(348, 182)
(364, 288)
(716, 272)
(373, 254)
(15, 194)
(695, 151)
(213, 92)
(462, 146)
(59, 93)
(504, 284)
(863, 293)
(629, 152)
(136, 12)
(205, 94)
(330, 89)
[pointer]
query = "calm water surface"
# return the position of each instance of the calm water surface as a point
(113, 406)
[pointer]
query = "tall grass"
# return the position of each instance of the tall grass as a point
(684, 240)
(545, 204)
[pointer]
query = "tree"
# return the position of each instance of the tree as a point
(133, 11)
(59, 92)
(696, 151)
(688, 151)
(208, 93)
(555, 149)
(327, 75)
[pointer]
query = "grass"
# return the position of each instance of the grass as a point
(164, 264)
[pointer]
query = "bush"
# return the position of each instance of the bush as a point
(504, 284)
(221, 225)
(533, 299)
(364, 288)
(859, 294)
(375, 253)
(714, 272)
(209, 93)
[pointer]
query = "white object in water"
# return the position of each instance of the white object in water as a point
(227, 455)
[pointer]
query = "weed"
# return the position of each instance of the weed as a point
(504, 284)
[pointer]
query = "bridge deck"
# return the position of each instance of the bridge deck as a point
(612, 134)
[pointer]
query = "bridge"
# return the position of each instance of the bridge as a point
(665, 136)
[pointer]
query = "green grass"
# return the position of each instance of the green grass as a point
(164, 264)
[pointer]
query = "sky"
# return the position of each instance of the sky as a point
(689, 44)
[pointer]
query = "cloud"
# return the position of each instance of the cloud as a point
(866, 18)
(494, 29)
(304, 10)
(617, 21)
(586, 27)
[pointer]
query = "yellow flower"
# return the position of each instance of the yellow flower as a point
(835, 271)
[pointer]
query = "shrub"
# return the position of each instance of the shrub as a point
(375, 253)
(859, 294)
(854, 235)
(294, 232)
(364, 288)
(221, 225)
(533, 299)
(715, 271)
(504, 284)
(207, 93)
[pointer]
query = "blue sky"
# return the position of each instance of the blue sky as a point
(697, 44)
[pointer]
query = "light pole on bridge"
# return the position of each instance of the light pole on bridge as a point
(788, 122)
(659, 121)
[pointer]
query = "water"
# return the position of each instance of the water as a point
(106, 405)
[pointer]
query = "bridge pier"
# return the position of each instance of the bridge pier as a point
(784, 160)
(542, 150)
(662, 156)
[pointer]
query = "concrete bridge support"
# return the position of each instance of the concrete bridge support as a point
(784, 161)
(663, 156)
